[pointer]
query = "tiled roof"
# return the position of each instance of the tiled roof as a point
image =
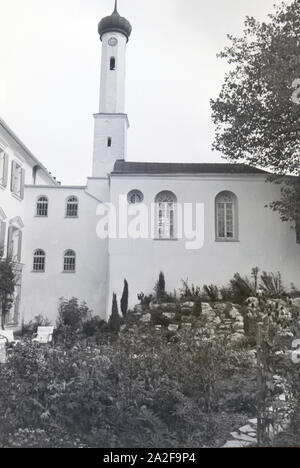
(128, 167)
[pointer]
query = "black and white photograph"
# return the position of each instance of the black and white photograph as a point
(149, 226)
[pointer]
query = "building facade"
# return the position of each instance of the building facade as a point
(201, 222)
(18, 166)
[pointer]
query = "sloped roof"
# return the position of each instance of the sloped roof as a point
(128, 167)
(28, 153)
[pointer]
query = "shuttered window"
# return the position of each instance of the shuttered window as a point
(3, 168)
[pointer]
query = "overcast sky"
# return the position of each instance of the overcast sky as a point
(50, 76)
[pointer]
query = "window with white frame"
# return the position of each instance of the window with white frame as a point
(165, 214)
(39, 261)
(17, 179)
(42, 206)
(3, 168)
(226, 216)
(72, 207)
(69, 261)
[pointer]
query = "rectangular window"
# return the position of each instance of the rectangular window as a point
(3, 168)
(17, 179)
(109, 142)
(112, 65)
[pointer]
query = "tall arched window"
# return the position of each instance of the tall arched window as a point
(72, 207)
(226, 216)
(42, 206)
(39, 260)
(165, 214)
(69, 261)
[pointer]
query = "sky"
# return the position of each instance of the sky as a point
(50, 56)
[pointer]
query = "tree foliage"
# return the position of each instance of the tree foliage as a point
(258, 109)
(9, 277)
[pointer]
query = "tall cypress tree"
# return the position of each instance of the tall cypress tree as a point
(124, 299)
(114, 322)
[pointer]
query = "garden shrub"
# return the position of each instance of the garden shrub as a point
(271, 284)
(189, 293)
(94, 326)
(142, 390)
(72, 314)
(212, 292)
(241, 289)
(145, 301)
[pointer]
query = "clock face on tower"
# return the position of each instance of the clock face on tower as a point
(113, 41)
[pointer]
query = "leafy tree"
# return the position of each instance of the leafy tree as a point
(9, 277)
(124, 299)
(257, 111)
(72, 314)
(114, 323)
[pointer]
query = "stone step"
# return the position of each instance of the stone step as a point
(236, 444)
(243, 437)
(246, 429)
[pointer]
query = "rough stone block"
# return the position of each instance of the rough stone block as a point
(169, 315)
(146, 318)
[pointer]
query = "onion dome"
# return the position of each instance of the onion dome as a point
(115, 23)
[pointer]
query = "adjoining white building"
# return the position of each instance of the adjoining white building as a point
(203, 222)
(18, 166)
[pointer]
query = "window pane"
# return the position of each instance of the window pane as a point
(221, 219)
(229, 220)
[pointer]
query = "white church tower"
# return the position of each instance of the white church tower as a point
(111, 123)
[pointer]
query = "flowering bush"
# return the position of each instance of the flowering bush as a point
(139, 391)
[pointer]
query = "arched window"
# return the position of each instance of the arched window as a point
(165, 215)
(69, 261)
(42, 206)
(135, 196)
(72, 207)
(226, 216)
(39, 260)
